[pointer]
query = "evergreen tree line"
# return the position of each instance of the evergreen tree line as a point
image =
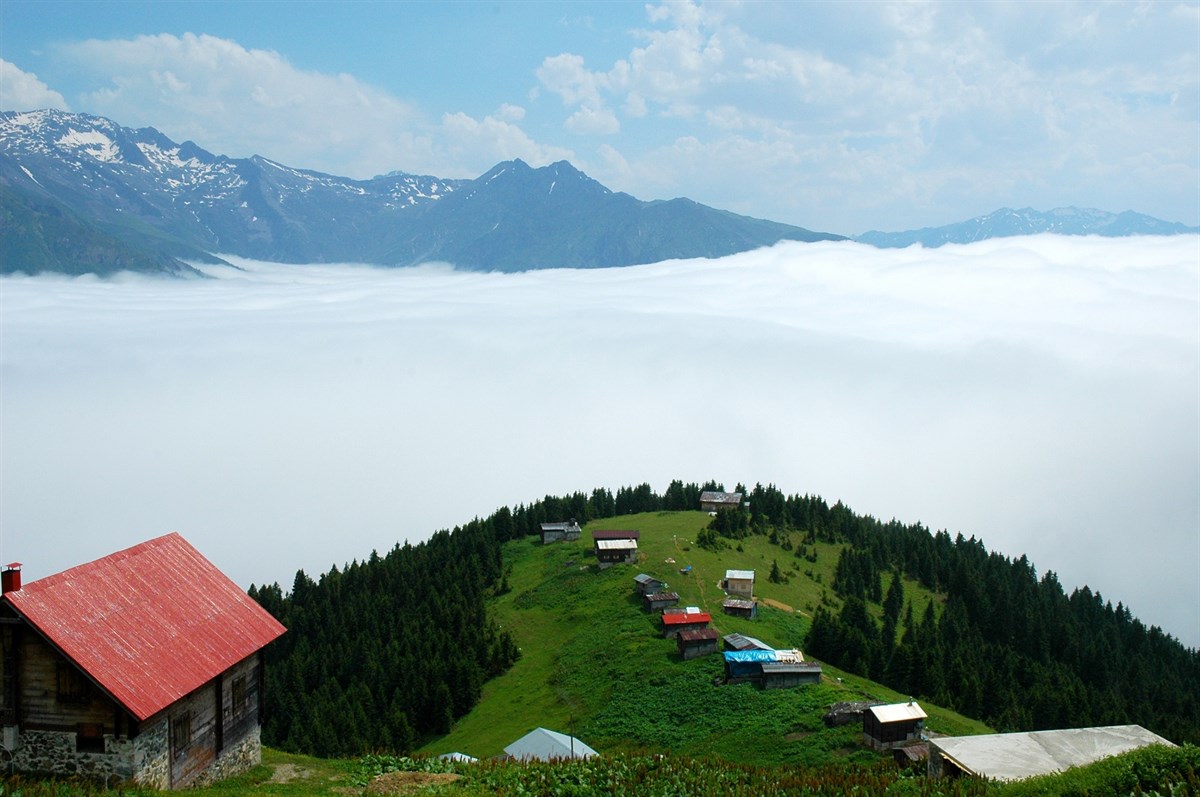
(1007, 647)
(386, 651)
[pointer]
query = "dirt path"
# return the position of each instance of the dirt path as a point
(777, 604)
(286, 773)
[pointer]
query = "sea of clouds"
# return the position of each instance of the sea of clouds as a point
(1039, 393)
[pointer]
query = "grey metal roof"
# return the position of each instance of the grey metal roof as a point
(740, 575)
(743, 642)
(643, 578)
(791, 666)
(714, 497)
(546, 745)
(1015, 756)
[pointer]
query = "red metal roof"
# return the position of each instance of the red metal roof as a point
(686, 618)
(149, 624)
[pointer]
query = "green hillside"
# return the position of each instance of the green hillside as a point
(593, 662)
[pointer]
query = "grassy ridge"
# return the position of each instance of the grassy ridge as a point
(593, 662)
(1167, 772)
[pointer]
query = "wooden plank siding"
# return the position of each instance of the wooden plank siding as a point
(208, 731)
(56, 695)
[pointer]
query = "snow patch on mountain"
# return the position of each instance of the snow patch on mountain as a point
(93, 142)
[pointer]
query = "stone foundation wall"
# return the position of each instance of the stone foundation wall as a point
(54, 752)
(234, 760)
(151, 756)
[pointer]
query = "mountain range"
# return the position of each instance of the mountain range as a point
(1007, 222)
(82, 194)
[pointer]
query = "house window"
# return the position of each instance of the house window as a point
(72, 686)
(181, 733)
(241, 700)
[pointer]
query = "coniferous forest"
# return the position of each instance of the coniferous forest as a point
(389, 651)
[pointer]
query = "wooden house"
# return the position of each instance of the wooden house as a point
(787, 674)
(739, 582)
(714, 501)
(740, 607)
(1016, 756)
(616, 551)
(568, 531)
(893, 725)
(696, 643)
(746, 665)
(143, 666)
(672, 624)
(646, 584)
(743, 642)
(659, 601)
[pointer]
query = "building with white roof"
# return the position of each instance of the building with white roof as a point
(739, 582)
(894, 725)
(541, 744)
(1016, 756)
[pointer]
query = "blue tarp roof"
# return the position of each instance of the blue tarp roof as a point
(750, 655)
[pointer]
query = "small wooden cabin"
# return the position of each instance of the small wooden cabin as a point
(659, 601)
(739, 582)
(743, 642)
(893, 725)
(616, 552)
(715, 501)
(673, 624)
(740, 607)
(647, 584)
(696, 643)
(143, 666)
(568, 531)
(787, 674)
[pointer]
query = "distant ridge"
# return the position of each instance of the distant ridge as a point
(141, 202)
(1007, 222)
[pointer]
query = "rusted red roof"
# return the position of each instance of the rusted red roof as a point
(686, 618)
(149, 624)
(699, 635)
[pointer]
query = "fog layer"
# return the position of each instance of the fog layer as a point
(1039, 393)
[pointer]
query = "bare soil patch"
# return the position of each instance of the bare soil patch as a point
(408, 782)
(777, 604)
(286, 773)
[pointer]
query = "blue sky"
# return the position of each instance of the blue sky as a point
(834, 116)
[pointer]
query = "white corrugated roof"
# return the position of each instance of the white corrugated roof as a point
(546, 745)
(740, 574)
(898, 712)
(615, 545)
(1015, 756)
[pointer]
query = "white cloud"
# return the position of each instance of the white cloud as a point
(1039, 393)
(935, 113)
(488, 140)
(238, 101)
(22, 91)
(593, 121)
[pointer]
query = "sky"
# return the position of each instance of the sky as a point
(838, 117)
(1039, 393)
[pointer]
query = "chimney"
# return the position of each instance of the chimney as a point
(10, 578)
